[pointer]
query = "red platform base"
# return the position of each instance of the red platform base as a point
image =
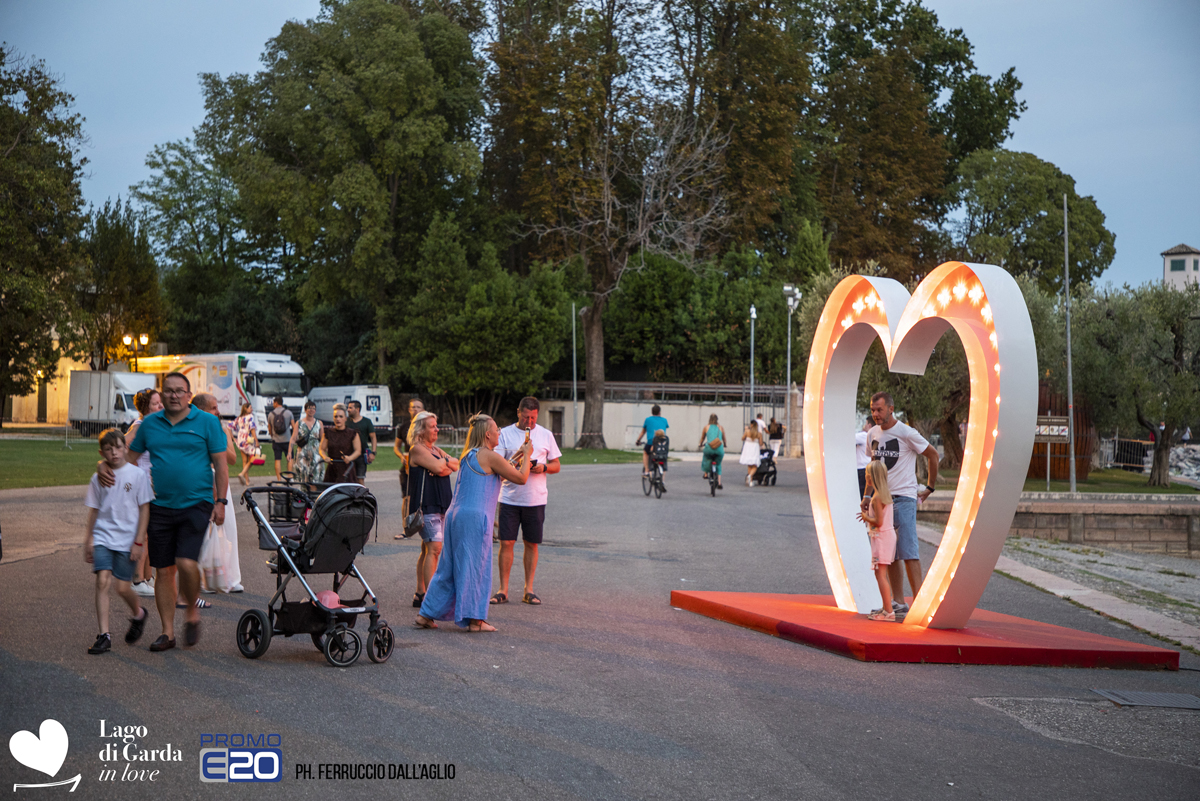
(990, 639)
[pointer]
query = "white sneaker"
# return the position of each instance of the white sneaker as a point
(144, 588)
(237, 588)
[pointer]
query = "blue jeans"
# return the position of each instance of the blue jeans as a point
(904, 518)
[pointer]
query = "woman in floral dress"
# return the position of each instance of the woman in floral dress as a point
(306, 445)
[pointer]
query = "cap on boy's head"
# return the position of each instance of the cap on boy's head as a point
(111, 438)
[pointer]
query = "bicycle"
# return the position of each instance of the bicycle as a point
(714, 478)
(654, 481)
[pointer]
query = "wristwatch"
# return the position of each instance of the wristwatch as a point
(931, 490)
(224, 501)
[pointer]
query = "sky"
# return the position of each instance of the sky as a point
(1113, 88)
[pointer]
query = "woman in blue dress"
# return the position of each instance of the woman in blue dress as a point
(462, 584)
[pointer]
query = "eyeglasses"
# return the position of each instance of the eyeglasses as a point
(175, 393)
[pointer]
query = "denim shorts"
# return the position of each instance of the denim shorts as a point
(432, 530)
(904, 518)
(117, 562)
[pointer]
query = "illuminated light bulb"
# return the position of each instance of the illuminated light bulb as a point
(943, 298)
(929, 619)
(997, 400)
(929, 311)
(992, 338)
(871, 300)
(858, 306)
(849, 321)
(964, 548)
(881, 307)
(986, 313)
(972, 524)
(952, 572)
(981, 493)
(976, 294)
(997, 369)
(988, 464)
(960, 290)
(942, 598)
(995, 432)
(834, 346)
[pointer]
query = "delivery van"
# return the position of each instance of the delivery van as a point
(376, 400)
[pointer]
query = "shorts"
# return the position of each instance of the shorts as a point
(904, 518)
(883, 547)
(360, 468)
(530, 519)
(434, 525)
(280, 448)
(403, 482)
(116, 562)
(177, 533)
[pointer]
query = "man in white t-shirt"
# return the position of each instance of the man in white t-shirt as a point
(523, 507)
(898, 446)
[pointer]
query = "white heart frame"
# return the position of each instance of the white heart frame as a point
(985, 307)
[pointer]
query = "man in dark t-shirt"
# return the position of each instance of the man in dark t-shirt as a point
(366, 435)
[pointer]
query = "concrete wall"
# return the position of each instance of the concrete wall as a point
(623, 421)
(25, 407)
(1190, 273)
(1166, 526)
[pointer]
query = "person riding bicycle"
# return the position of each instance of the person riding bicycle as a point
(712, 444)
(660, 447)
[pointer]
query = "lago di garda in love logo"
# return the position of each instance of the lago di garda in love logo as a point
(44, 752)
(985, 307)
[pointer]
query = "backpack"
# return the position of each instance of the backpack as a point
(277, 424)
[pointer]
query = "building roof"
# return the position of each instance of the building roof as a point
(1179, 250)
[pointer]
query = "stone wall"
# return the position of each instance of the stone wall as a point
(1126, 522)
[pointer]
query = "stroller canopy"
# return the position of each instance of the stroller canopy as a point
(337, 530)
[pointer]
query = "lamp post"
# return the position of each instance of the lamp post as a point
(574, 381)
(753, 317)
(793, 295)
(129, 341)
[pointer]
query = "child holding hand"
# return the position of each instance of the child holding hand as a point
(116, 534)
(877, 514)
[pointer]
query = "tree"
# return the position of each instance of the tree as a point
(355, 133)
(472, 331)
(1012, 216)
(119, 294)
(40, 217)
(882, 165)
(1136, 355)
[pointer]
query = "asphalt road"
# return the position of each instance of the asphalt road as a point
(604, 692)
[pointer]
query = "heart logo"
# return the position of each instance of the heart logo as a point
(984, 305)
(44, 752)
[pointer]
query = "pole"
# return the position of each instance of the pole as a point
(574, 380)
(752, 316)
(787, 383)
(1070, 385)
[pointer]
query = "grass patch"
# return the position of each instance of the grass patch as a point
(46, 463)
(1168, 572)
(1121, 481)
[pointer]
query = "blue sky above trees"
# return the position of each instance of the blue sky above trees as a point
(1111, 91)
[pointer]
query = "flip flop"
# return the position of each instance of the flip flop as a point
(530, 598)
(499, 598)
(417, 624)
(478, 627)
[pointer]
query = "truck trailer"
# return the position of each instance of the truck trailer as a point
(97, 400)
(236, 377)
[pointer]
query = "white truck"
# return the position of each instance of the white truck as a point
(376, 400)
(237, 377)
(97, 400)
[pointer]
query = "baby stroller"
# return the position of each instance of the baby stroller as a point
(766, 473)
(311, 537)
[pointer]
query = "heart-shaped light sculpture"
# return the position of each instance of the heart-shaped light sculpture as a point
(984, 305)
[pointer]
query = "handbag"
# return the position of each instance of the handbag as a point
(416, 521)
(714, 443)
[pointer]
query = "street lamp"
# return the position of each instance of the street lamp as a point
(142, 339)
(793, 295)
(753, 317)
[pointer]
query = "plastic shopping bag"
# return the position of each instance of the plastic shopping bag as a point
(214, 559)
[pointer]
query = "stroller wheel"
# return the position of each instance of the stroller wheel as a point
(343, 647)
(319, 641)
(253, 633)
(380, 643)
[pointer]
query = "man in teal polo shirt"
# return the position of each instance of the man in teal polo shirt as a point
(188, 446)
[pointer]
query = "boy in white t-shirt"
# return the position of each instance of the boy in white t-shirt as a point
(116, 535)
(523, 507)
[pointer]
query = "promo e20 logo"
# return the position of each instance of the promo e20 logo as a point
(240, 758)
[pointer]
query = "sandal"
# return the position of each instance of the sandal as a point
(481, 626)
(200, 604)
(417, 598)
(880, 617)
(428, 624)
(530, 598)
(499, 598)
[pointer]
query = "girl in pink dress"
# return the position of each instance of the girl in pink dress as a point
(877, 514)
